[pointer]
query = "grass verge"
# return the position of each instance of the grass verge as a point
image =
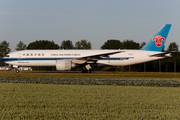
(158, 82)
(98, 74)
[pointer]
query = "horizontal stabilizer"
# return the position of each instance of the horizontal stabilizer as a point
(163, 54)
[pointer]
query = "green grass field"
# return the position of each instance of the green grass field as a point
(46, 101)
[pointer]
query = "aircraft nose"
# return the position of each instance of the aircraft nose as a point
(3, 59)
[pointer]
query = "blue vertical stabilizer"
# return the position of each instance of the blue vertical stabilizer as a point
(158, 40)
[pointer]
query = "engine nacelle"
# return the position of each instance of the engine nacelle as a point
(64, 65)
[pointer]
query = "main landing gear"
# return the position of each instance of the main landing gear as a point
(88, 69)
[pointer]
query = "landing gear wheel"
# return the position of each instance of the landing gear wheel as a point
(17, 71)
(91, 71)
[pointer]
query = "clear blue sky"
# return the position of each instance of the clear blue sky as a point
(93, 20)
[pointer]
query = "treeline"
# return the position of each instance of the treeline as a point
(165, 65)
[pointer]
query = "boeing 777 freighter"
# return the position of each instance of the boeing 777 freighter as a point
(67, 59)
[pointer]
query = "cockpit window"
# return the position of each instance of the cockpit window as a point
(7, 56)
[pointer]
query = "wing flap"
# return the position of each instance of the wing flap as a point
(93, 58)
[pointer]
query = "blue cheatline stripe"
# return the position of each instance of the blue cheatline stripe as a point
(32, 59)
(54, 59)
(117, 58)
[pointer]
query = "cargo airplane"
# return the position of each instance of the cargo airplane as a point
(67, 59)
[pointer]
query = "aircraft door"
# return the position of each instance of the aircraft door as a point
(19, 56)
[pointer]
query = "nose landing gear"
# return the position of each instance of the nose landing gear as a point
(17, 71)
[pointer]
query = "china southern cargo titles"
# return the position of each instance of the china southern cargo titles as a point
(68, 59)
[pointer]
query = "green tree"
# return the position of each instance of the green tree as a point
(142, 44)
(83, 44)
(20, 46)
(4, 49)
(129, 44)
(173, 47)
(66, 44)
(111, 44)
(43, 44)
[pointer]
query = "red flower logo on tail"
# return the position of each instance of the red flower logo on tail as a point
(158, 40)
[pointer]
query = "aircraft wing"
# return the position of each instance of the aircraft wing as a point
(93, 58)
(163, 54)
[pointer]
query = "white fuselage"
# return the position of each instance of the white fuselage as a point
(49, 57)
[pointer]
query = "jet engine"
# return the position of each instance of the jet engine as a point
(64, 65)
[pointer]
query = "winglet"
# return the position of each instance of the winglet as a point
(158, 40)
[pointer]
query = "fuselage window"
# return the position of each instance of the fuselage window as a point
(39, 54)
(43, 54)
(27, 54)
(31, 54)
(35, 54)
(23, 54)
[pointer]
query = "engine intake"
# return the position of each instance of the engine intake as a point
(64, 65)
